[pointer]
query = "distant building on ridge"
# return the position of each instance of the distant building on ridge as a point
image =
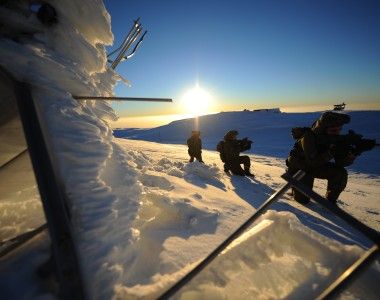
(273, 110)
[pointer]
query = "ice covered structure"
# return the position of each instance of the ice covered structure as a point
(58, 60)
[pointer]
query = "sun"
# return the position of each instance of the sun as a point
(196, 101)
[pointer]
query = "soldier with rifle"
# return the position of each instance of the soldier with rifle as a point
(317, 146)
(230, 149)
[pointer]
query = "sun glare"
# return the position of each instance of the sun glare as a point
(196, 101)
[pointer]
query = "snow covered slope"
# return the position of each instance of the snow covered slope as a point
(188, 209)
(270, 132)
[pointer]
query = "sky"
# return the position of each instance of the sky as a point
(296, 55)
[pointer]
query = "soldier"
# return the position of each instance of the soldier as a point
(195, 146)
(314, 150)
(231, 153)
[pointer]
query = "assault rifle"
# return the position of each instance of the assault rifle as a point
(351, 142)
(245, 144)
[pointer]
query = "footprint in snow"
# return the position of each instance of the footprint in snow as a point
(156, 181)
(197, 196)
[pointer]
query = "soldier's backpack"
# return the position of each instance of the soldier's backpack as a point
(220, 149)
(299, 132)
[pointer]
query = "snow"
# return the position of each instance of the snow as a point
(20, 203)
(142, 215)
(182, 218)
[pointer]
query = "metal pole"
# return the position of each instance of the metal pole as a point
(368, 257)
(136, 47)
(10, 245)
(123, 98)
(127, 38)
(263, 208)
(14, 158)
(136, 33)
(372, 234)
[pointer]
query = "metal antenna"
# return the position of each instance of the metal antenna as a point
(127, 43)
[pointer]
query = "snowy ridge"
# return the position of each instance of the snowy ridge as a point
(269, 131)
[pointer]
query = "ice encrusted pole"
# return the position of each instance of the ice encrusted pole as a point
(57, 61)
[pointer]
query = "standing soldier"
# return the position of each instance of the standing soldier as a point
(312, 153)
(231, 154)
(195, 146)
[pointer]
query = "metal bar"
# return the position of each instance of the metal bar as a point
(126, 44)
(368, 257)
(17, 241)
(14, 158)
(135, 35)
(125, 48)
(53, 199)
(177, 286)
(123, 99)
(364, 229)
(136, 47)
(129, 35)
(372, 234)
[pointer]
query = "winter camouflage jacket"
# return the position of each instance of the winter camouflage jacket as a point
(195, 146)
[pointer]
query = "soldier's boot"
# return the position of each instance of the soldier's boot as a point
(46, 269)
(237, 170)
(332, 196)
(298, 196)
(336, 184)
(199, 158)
(248, 173)
(226, 169)
(191, 159)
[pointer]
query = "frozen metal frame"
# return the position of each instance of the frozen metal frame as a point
(364, 260)
(261, 210)
(294, 181)
(138, 99)
(130, 39)
(54, 199)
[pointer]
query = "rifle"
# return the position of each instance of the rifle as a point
(342, 145)
(245, 144)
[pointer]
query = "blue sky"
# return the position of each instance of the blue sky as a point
(251, 54)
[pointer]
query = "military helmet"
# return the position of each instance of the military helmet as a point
(333, 119)
(231, 134)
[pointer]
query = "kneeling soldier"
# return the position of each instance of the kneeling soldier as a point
(231, 152)
(313, 151)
